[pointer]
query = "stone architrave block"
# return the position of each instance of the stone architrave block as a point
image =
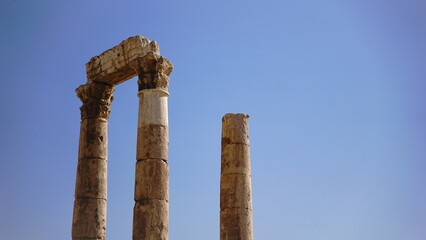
(120, 63)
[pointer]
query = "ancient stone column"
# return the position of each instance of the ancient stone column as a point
(151, 210)
(235, 180)
(89, 217)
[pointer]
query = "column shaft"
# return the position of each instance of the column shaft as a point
(235, 180)
(150, 219)
(151, 210)
(89, 217)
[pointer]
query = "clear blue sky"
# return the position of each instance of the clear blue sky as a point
(335, 90)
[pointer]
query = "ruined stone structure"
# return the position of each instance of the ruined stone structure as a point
(139, 56)
(134, 56)
(235, 180)
(151, 211)
(89, 216)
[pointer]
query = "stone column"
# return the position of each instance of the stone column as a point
(89, 217)
(151, 210)
(235, 180)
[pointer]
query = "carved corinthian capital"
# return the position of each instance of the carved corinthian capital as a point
(154, 71)
(96, 98)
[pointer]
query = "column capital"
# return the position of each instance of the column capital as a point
(96, 98)
(153, 72)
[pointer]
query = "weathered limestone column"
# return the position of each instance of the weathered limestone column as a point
(151, 210)
(89, 217)
(235, 180)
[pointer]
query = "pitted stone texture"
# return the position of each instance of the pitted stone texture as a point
(154, 71)
(235, 191)
(96, 98)
(93, 139)
(150, 220)
(235, 179)
(91, 179)
(153, 107)
(152, 180)
(120, 63)
(235, 128)
(152, 142)
(232, 155)
(89, 218)
(236, 224)
(150, 217)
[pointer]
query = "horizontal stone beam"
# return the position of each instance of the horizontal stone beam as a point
(120, 63)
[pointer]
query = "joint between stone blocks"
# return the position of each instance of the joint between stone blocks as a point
(90, 198)
(243, 174)
(147, 200)
(149, 159)
(88, 238)
(90, 158)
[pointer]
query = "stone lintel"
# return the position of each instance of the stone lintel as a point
(120, 63)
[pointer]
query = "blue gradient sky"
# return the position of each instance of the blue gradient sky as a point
(335, 91)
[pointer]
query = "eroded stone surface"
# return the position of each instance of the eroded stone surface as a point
(231, 159)
(120, 63)
(91, 179)
(152, 142)
(235, 179)
(96, 98)
(236, 223)
(235, 191)
(154, 71)
(152, 180)
(151, 220)
(235, 128)
(93, 139)
(152, 174)
(89, 218)
(134, 56)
